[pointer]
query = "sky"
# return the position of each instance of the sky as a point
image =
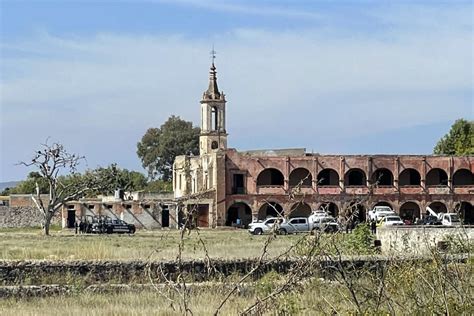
(334, 77)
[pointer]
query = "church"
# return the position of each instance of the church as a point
(228, 187)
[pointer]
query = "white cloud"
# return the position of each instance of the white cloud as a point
(101, 93)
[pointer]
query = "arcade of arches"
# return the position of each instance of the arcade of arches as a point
(408, 184)
(240, 213)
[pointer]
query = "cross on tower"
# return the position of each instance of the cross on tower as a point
(213, 54)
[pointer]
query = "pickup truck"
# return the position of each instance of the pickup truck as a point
(302, 224)
(379, 212)
(260, 228)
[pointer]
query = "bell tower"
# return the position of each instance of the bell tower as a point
(213, 135)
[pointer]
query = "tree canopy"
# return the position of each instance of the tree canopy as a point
(159, 146)
(28, 186)
(458, 141)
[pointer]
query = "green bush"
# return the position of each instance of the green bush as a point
(361, 241)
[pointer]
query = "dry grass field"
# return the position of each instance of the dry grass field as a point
(22, 244)
(398, 288)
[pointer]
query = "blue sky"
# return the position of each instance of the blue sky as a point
(330, 76)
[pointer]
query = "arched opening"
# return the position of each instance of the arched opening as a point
(302, 177)
(270, 177)
(383, 203)
(300, 209)
(355, 177)
(328, 177)
(409, 177)
(330, 208)
(463, 177)
(465, 211)
(357, 212)
(239, 214)
(214, 119)
(436, 177)
(410, 211)
(438, 207)
(270, 209)
(382, 177)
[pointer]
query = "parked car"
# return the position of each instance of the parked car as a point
(317, 214)
(111, 226)
(428, 220)
(327, 224)
(450, 219)
(378, 212)
(259, 228)
(391, 220)
(295, 225)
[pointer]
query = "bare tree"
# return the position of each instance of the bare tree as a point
(54, 162)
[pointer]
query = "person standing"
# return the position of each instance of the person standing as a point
(373, 227)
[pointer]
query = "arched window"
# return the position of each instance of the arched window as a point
(355, 177)
(270, 177)
(301, 176)
(382, 177)
(328, 177)
(409, 177)
(463, 177)
(436, 177)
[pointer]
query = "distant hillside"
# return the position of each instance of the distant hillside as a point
(10, 184)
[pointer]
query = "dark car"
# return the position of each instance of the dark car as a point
(428, 220)
(110, 226)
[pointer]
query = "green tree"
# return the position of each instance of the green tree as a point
(159, 146)
(114, 177)
(28, 186)
(458, 141)
(159, 186)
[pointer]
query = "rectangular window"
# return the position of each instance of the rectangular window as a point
(238, 186)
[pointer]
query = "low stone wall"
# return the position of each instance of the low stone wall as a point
(22, 216)
(420, 240)
(83, 272)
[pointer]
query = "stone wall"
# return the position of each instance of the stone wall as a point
(22, 216)
(420, 240)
